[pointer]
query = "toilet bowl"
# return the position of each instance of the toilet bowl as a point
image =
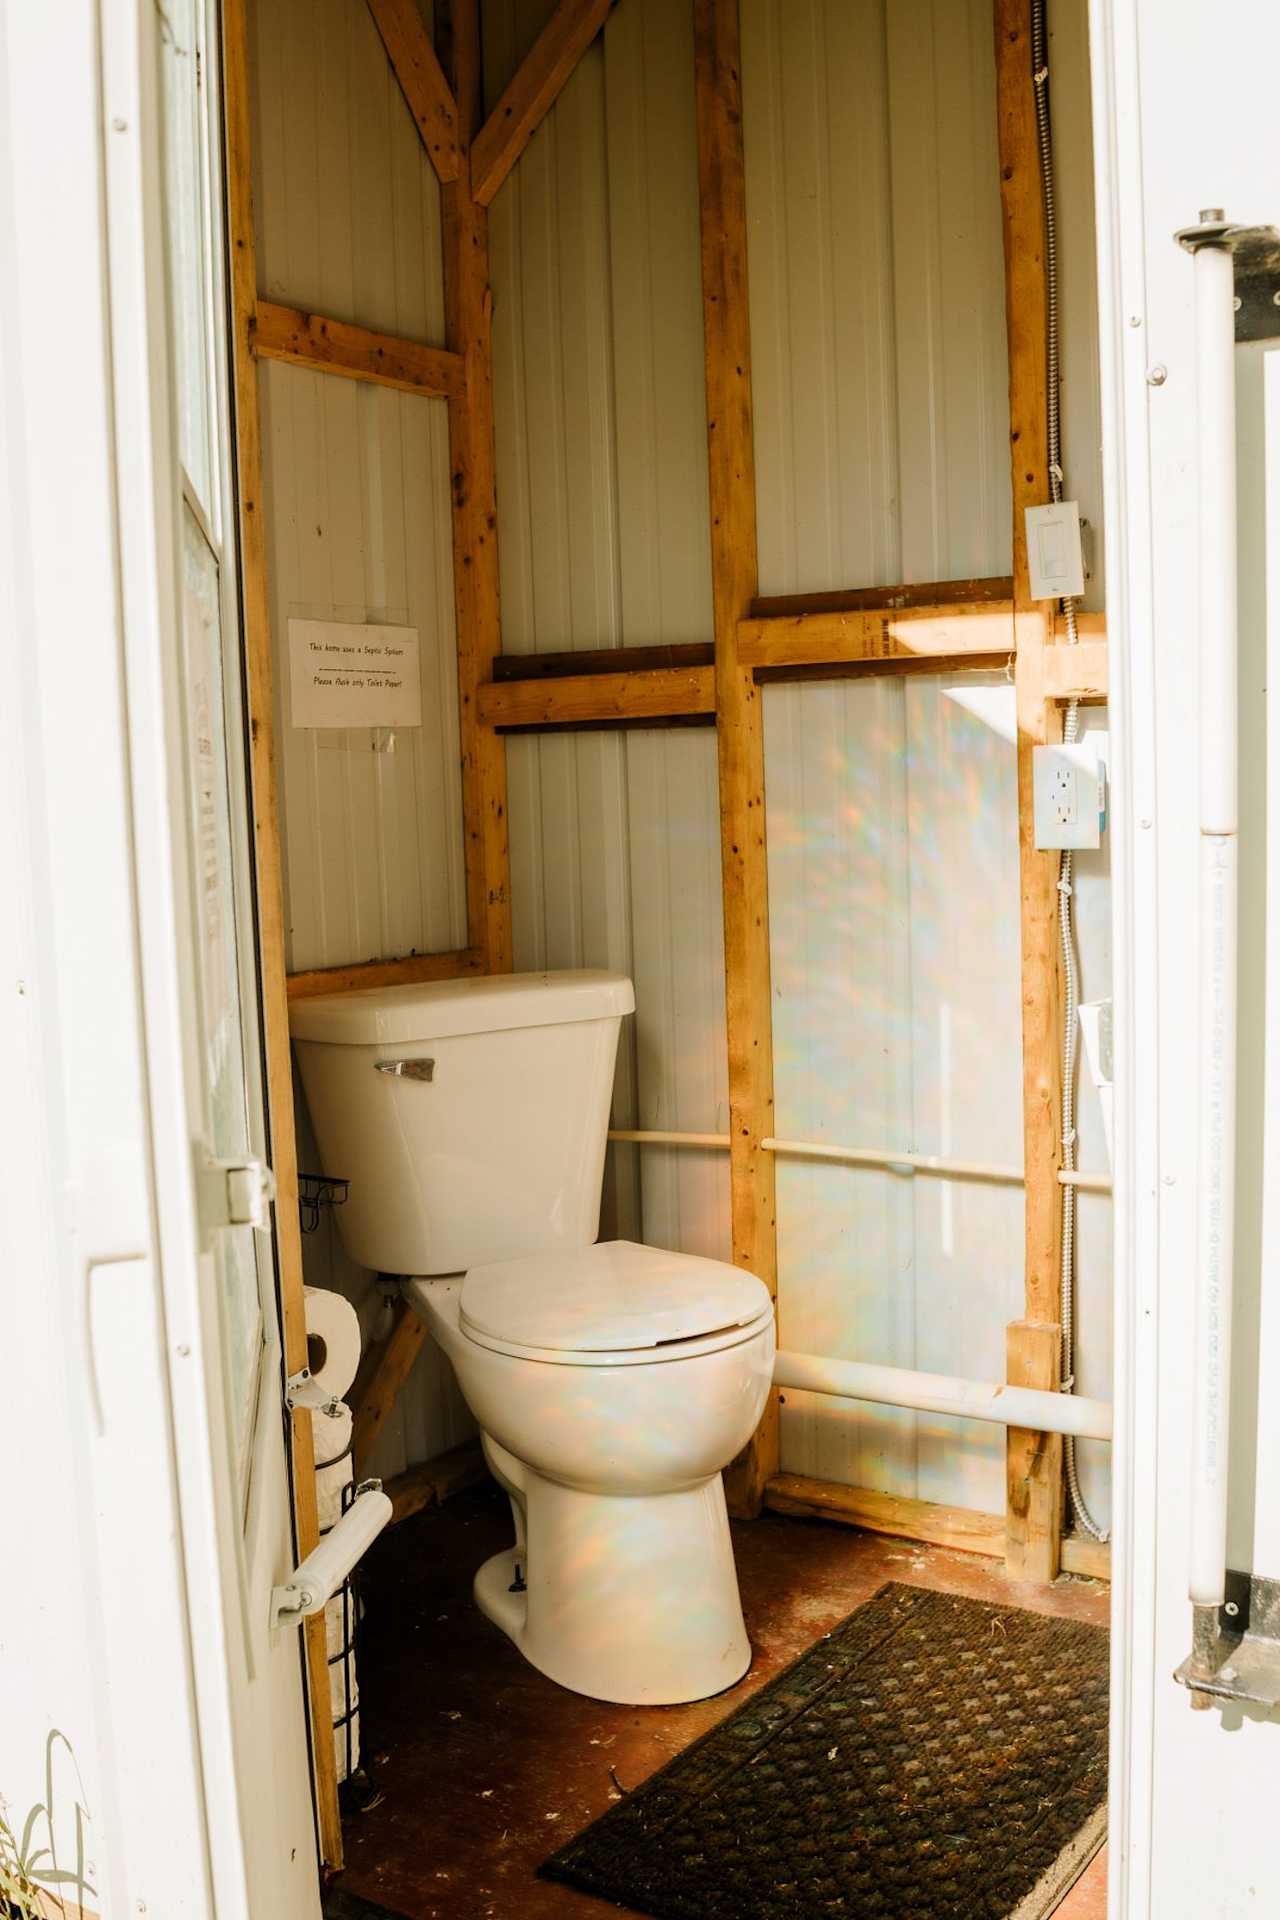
(611, 1381)
(621, 1582)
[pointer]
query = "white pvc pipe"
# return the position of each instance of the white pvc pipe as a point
(943, 1393)
(1216, 1093)
(861, 1157)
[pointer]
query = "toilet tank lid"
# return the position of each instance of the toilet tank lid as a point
(609, 1298)
(441, 1009)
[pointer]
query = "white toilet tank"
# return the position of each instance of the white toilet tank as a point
(470, 1116)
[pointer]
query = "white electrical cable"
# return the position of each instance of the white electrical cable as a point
(1070, 731)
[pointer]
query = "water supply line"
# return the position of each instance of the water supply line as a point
(1070, 731)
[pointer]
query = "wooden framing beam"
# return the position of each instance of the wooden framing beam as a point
(1035, 1510)
(533, 91)
(366, 974)
(468, 312)
(931, 593)
(422, 82)
(599, 699)
(1081, 672)
(962, 1529)
(435, 1481)
(270, 890)
(383, 1371)
(570, 664)
(331, 346)
(941, 634)
(740, 725)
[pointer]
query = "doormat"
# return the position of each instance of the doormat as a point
(933, 1758)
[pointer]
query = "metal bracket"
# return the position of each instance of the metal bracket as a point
(302, 1389)
(236, 1193)
(1255, 255)
(1237, 1654)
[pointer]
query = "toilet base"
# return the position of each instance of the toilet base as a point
(627, 1598)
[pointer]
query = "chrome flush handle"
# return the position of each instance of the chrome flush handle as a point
(407, 1069)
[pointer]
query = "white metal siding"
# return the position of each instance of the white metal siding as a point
(879, 371)
(602, 502)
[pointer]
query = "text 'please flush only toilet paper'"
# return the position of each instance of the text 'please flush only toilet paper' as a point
(333, 1340)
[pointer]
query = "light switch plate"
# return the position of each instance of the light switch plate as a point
(1069, 792)
(1055, 556)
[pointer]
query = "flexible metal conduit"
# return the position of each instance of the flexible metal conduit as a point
(1064, 1413)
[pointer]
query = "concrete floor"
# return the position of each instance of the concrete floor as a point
(486, 1767)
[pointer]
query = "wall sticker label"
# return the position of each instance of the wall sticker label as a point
(343, 675)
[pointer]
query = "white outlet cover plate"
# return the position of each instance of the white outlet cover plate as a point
(1080, 767)
(1055, 557)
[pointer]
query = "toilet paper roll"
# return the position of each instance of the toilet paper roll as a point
(330, 1482)
(333, 1339)
(331, 1433)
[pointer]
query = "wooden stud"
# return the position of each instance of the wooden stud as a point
(1089, 1559)
(1034, 1460)
(422, 82)
(1039, 721)
(331, 346)
(360, 978)
(940, 634)
(383, 1371)
(270, 892)
(1081, 672)
(533, 91)
(961, 1528)
(740, 727)
(435, 1480)
(599, 698)
(468, 311)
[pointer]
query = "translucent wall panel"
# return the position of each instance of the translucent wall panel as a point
(893, 896)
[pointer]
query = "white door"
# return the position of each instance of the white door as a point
(226, 1120)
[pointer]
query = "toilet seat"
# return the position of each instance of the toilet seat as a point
(613, 1304)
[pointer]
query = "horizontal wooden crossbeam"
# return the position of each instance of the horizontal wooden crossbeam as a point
(568, 665)
(427, 93)
(358, 353)
(940, 633)
(600, 699)
(928, 593)
(963, 1529)
(411, 970)
(435, 1481)
(532, 92)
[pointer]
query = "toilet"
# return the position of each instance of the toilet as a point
(611, 1382)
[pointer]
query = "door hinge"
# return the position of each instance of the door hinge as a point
(236, 1193)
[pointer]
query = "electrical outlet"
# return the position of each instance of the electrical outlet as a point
(1069, 790)
(1062, 795)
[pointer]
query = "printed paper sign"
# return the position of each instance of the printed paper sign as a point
(349, 676)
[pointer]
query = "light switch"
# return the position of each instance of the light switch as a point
(1055, 557)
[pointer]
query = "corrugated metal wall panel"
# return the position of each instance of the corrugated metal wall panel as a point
(602, 500)
(356, 485)
(893, 900)
(878, 359)
(347, 205)
(877, 289)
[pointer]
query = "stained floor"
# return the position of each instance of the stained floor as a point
(485, 1766)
